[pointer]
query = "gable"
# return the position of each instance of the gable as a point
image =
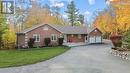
(36, 27)
(43, 28)
(95, 31)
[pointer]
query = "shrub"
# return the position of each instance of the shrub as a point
(31, 42)
(106, 35)
(47, 41)
(54, 43)
(60, 41)
(126, 39)
(116, 40)
(9, 40)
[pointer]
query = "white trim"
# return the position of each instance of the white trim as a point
(65, 38)
(26, 39)
(53, 37)
(26, 42)
(36, 35)
(35, 27)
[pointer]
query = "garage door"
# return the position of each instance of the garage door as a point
(98, 39)
(92, 40)
(95, 39)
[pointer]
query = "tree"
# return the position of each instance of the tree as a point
(9, 39)
(16, 21)
(126, 39)
(3, 26)
(115, 19)
(103, 22)
(81, 18)
(38, 15)
(72, 13)
(122, 16)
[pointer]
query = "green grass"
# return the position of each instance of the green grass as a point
(11, 58)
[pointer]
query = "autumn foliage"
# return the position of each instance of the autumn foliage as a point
(114, 24)
(39, 15)
(9, 40)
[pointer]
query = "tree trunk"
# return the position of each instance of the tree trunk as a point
(0, 42)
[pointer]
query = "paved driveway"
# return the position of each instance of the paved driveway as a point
(83, 59)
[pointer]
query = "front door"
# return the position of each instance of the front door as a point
(86, 39)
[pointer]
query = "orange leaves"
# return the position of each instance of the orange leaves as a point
(103, 22)
(120, 23)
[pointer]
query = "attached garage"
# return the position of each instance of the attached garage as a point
(95, 36)
(98, 39)
(92, 40)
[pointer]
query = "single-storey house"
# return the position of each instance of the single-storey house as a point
(71, 34)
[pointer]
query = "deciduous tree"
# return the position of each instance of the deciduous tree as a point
(3, 26)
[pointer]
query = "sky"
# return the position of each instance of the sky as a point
(86, 7)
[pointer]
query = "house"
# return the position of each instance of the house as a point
(71, 34)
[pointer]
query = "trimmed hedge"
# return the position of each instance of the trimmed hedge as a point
(60, 41)
(31, 42)
(47, 41)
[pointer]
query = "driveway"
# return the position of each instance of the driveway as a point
(82, 59)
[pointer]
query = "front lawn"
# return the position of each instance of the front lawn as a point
(10, 58)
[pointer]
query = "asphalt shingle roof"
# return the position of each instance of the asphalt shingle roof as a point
(66, 29)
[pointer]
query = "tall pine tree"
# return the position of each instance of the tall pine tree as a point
(72, 12)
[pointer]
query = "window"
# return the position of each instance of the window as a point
(45, 28)
(95, 30)
(36, 37)
(53, 37)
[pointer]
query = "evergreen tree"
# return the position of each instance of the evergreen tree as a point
(81, 19)
(72, 13)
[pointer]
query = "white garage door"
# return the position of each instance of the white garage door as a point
(92, 40)
(95, 39)
(98, 39)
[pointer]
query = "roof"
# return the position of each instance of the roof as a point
(89, 30)
(65, 29)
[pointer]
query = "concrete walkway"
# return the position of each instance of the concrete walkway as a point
(83, 59)
(74, 44)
